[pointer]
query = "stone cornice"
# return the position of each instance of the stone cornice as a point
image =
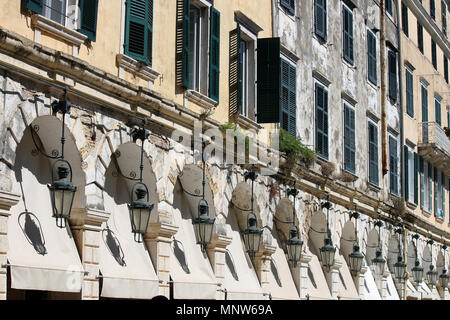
(57, 30)
(137, 68)
(7, 200)
(200, 99)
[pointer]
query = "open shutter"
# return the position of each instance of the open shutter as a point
(288, 97)
(392, 63)
(422, 182)
(235, 89)
(436, 191)
(348, 34)
(214, 55)
(269, 83)
(88, 18)
(292, 101)
(405, 158)
(139, 26)
(430, 187)
(372, 57)
(34, 5)
(186, 41)
(416, 179)
(320, 18)
(321, 121)
(443, 194)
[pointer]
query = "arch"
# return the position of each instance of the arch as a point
(411, 251)
(347, 240)
(283, 218)
(372, 245)
(317, 232)
(393, 251)
(241, 204)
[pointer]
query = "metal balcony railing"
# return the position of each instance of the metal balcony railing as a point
(432, 133)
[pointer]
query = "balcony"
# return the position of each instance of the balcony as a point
(434, 145)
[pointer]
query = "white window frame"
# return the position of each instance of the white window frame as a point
(249, 97)
(411, 175)
(71, 13)
(398, 164)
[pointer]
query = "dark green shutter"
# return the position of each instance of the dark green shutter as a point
(433, 54)
(321, 121)
(392, 65)
(389, 6)
(372, 57)
(409, 93)
(420, 36)
(348, 34)
(405, 158)
(288, 98)
(373, 153)
(430, 187)
(445, 68)
(424, 104)
(416, 179)
(289, 5)
(34, 5)
(320, 18)
(432, 9)
(443, 194)
(444, 17)
(88, 18)
(437, 111)
(214, 55)
(139, 30)
(186, 41)
(349, 139)
(393, 163)
(235, 89)
(422, 182)
(269, 82)
(436, 186)
(405, 19)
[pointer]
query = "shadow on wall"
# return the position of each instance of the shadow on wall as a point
(178, 250)
(113, 245)
(230, 264)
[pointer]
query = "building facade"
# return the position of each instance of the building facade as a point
(346, 77)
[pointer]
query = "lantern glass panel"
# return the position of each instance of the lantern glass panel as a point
(399, 270)
(444, 279)
(432, 276)
(417, 272)
(356, 262)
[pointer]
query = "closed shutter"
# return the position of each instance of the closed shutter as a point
(409, 94)
(139, 30)
(235, 90)
(393, 158)
(389, 6)
(405, 19)
(348, 34)
(34, 5)
(433, 54)
(436, 191)
(432, 9)
(321, 121)
(405, 158)
(185, 44)
(289, 5)
(416, 179)
(392, 64)
(422, 182)
(214, 55)
(424, 104)
(430, 187)
(269, 82)
(437, 107)
(373, 154)
(445, 68)
(288, 98)
(349, 139)
(442, 195)
(444, 17)
(372, 57)
(88, 18)
(320, 18)
(420, 37)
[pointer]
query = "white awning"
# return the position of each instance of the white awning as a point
(411, 291)
(370, 286)
(425, 291)
(241, 281)
(392, 293)
(317, 283)
(125, 265)
(42, 256)
(347, 289)
(282, 285)
(190, 268)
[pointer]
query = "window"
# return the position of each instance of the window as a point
(444, 17)
(320, 18)
(433, 54)
(247, 75)
(388, 4)
(425, 185)
(439, 197)
(198, 23)
(405, 19)
(321, 96)
(372, 57)
(289, 5)
(373, 153)
(139, 30)
(432, 9)
(392, 66)
(288, 100)
(80, 15)
(437, 109)
(349, 139)
(445, 68)
(393, 166)
(409, 93)
(420, 37)
(411, 175)
(424, 103)
(347, 25)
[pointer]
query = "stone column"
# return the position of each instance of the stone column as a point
(7, 200)
(216, 253)
(158, 240)
(262, 265)
(383, 288)
(86, 226)
(300, 275)
(333, 279)
(359, 282)
(445, 295)
(400, 286)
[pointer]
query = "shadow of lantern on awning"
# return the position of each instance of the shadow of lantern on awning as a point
(113, 245)
(230, 264)
(274, 269)
(178, 250)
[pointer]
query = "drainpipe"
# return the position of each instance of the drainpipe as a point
(400, 90)
(383, 88)
(405, 254)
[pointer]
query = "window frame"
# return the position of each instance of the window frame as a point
(291, 67)
(349, 129)
(392, 74)
(376, 182)
(372, 57)
(348, 56)
(424, 101)
(393, 175)
(409, 93)
(405, 20)
(438, 109)
(318, 85)
(434, 54)
(420, 37)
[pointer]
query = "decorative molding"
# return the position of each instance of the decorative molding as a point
(200, 99)
(372, 116)
(349, 98)
(57, 30)
(241, 18)
(409, 65)
(319, 76)
(245, 122)
(411, 144)
(289, 54)
(138, 68)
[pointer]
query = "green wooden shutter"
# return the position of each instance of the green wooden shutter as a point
(432, 9)
(235, 90)
(349, 139)
(392, 65)
(405, 158)
(185, 46)
(409, 93)
(433, 54)
(348, 34)
(424, 104)
(269, 81)
(422, 182)
(393, 163)
(214, 55)
(430, 187)
(372, 57)
(321, 121)
(420, 36)
(373, 153)
(444, 17)
(443, 194)
(445, 68)
(437, 111)
(289, 5)
(88, 18)
(416, 179)
(389, 6)
(288, 98)
(34, 5)
(405, 26)
(320, 18)
(139, 30)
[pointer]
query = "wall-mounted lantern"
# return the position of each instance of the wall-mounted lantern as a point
(356, 257)
(294, 244)
(252, 235)
(399, 266)
(378, 262)
(432, 275)
(328, 251)
(444, 277)
(417, 271)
